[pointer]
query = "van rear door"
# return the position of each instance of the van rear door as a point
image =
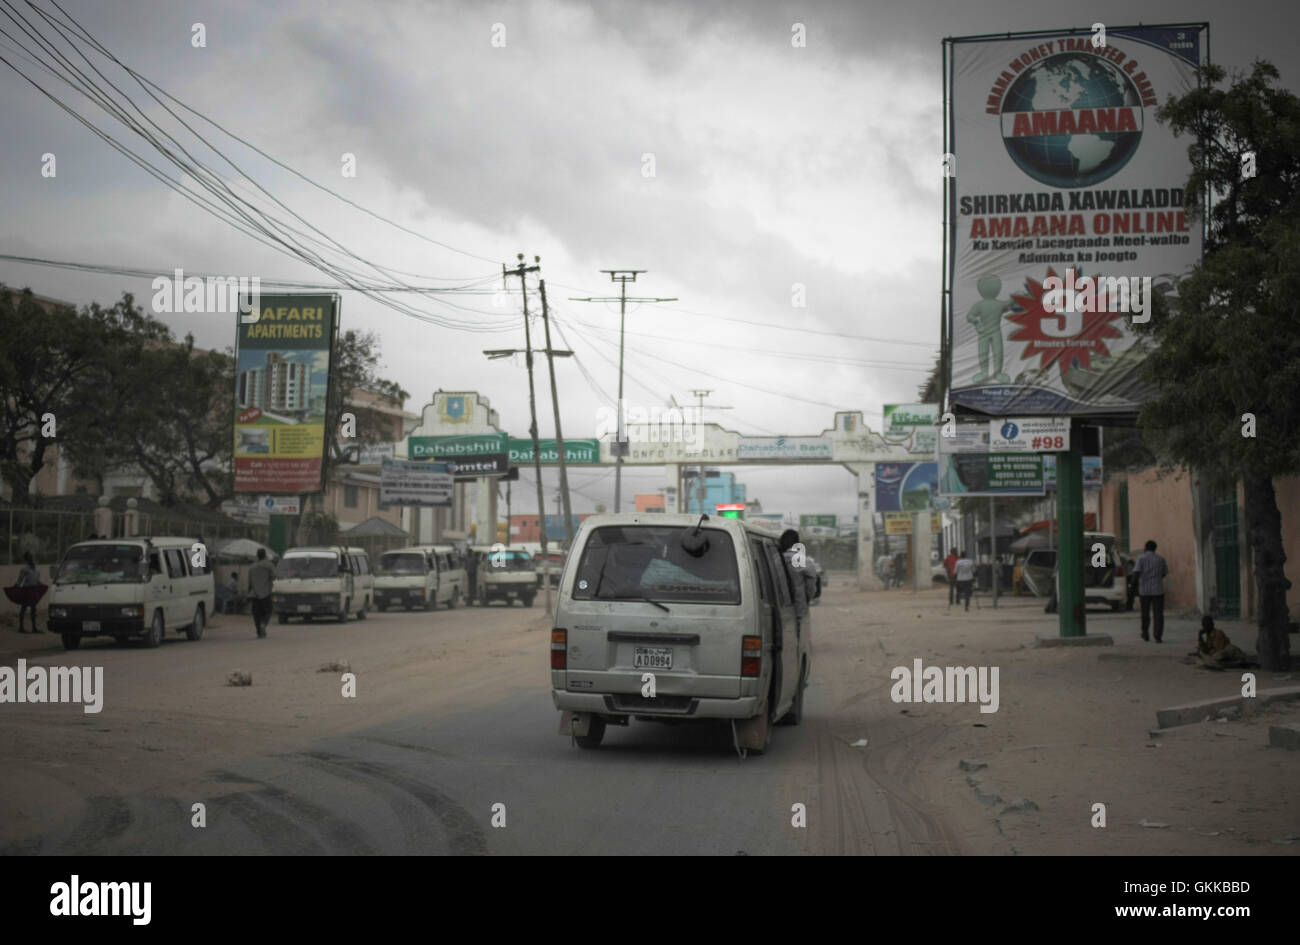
(784, 622)
(639, 603)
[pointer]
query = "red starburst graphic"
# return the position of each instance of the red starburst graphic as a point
(1072, 349)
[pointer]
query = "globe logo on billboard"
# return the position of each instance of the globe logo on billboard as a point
(1071, 120)
(1010, 431)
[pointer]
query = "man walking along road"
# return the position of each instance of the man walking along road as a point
(964, 573)
(261, 576)
(1152, 571)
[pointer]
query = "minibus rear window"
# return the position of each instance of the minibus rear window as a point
(647, 562)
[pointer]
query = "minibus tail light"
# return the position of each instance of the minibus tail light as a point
(751, 656)
(559, 649)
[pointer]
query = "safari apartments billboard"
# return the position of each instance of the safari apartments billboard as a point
(1068, 210)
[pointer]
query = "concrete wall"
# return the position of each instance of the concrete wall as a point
(1163, 510)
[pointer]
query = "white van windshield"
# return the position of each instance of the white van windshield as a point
(101, 564)
(647, 562)
(408, 563)
(307, 566)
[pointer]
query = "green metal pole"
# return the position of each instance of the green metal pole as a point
(1069, 556)
(278, 533)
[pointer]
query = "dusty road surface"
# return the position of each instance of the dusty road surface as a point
(452, 718)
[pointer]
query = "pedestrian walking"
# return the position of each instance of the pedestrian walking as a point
(900, 569)
(28, 576)
(963, 571)
(261, 577)
(949, 563)
(1152, 570)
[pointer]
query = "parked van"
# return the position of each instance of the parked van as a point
(1104, 584)
(130, 587)
(702, 604)
(451, 570)
(330, 581)
(506, 574)
(418, 576)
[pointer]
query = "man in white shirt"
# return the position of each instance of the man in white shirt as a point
(964, 573)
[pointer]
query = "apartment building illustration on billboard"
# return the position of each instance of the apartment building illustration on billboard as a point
(279, 386)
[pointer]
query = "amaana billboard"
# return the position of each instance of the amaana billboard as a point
(1068, 211)
(282, 367)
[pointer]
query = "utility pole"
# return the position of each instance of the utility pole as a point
(521, 272)
(622, 277)
(701, 487)
(559, 433)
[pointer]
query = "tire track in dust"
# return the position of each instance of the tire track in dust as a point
(107, 818)
(847, 813)
(465, 836)
(326, 833)
(893, 765)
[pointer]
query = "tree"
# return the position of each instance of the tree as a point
(54, 363)
(356, 362)
(159, 406)
(1235, 324)
(931, 389)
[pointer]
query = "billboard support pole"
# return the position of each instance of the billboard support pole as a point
(993, 548)
(1069, 554)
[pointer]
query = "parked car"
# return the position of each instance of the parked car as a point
(1102, 584)
(130, 587)
(331, 581)
(701, 604)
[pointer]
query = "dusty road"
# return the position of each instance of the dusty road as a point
(453, 717)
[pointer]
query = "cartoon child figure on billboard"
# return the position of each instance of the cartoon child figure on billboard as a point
(986, 316)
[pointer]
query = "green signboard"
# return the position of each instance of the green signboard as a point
(576, 452)
(1015, 471)
(817, 521)
(465, 444)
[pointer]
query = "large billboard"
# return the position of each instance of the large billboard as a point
(282, 368)
(1067, 210)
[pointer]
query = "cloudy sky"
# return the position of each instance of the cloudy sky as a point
(773, 165)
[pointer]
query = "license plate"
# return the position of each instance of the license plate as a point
(652, 657)
(90, 626)
(304, 608)
(512, 593)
